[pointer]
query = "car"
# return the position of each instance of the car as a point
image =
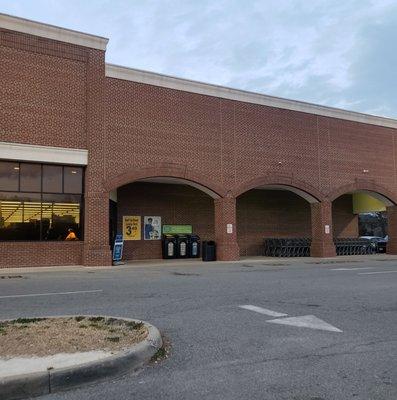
(378, 242)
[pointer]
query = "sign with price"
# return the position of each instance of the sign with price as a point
(131, 227)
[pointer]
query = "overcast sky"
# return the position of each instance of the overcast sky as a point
(332, 52)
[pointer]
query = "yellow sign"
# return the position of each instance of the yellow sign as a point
(131, 227)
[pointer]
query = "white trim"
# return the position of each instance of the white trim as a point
(52, 32)
(151, 78)
(57, 155)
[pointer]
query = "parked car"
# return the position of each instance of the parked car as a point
(379, 243)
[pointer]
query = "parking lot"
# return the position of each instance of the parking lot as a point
(301, 329)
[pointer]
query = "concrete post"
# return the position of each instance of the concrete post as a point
(322, 235)
(225, 229)
(392, 229)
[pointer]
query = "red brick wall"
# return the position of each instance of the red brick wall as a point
(43, 91)
(41, 254)
(270, 213)
(176, 204)
(345, 222)
(235, 142)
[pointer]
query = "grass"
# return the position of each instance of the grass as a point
(96, 319)
(160, 354)
(113, 339)
(134, 325)
(26, 320)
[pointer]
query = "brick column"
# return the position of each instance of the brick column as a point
(392, 229)
(322, 235)
(225, 229)
(96, 207)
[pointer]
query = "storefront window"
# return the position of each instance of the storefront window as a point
(52, 178)
(51, 213)
(9, 176)
(60, 214)
(72, 180)
(30, 177)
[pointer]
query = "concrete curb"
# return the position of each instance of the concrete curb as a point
(41, 383)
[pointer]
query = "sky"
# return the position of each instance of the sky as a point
(338, 53)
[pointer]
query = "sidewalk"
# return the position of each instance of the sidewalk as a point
(7, 272)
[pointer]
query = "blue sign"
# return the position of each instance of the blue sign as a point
(118, 248)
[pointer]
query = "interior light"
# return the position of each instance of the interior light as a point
(16, 168)
(74, 172)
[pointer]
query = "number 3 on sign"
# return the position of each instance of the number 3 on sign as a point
(132, 227)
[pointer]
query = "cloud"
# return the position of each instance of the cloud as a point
(328, 52)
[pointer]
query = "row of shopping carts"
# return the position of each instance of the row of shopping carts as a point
(300, 247)
(354, 246)
(287, 247)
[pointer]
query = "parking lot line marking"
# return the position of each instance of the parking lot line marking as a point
(50, 294)
(306, 321)
(377, 272)
(264, 311)
(349, 269)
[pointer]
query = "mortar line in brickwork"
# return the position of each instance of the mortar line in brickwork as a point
(221, 132)
(234, 142)
(394, 159)
(328, 157)
(318, 153)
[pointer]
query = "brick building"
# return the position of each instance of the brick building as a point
(84, 144)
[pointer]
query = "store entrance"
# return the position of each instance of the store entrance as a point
(162, 218)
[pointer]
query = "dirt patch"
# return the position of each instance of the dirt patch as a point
(49, 336)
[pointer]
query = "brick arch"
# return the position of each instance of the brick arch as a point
(383, 194)
(301, 188)
(181, 173)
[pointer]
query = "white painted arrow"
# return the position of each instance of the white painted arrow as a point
(264, 311)
(306, 321)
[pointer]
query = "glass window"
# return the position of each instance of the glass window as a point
(20, 216)
(9, 176)
(52, 178)
(30, 177)
(72, 180)
(40, 202)
(61, 217)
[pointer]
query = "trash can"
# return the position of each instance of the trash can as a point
(169, 246)
(182, 246)
(194, 246)
(209, 250)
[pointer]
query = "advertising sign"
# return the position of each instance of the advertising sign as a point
(152, 228)
(118, 248)
(131, 227)
(175, 229)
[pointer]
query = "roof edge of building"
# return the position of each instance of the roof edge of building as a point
(52, 32)
(187, 85)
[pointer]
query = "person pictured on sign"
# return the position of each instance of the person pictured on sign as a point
(152, 228)
(149, 229)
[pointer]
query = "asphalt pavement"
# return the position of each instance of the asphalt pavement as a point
(284, 329)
